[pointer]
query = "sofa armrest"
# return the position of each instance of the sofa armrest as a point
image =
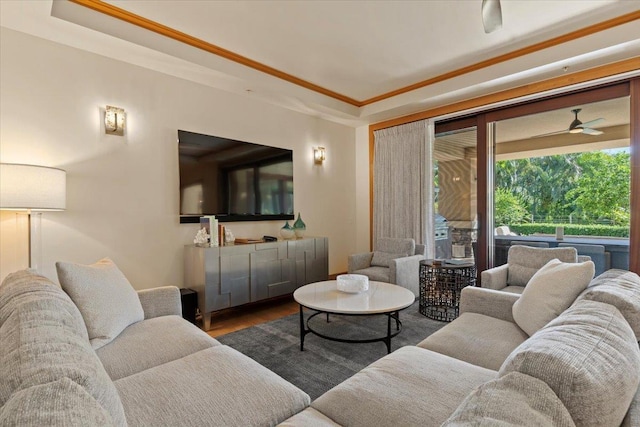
(495, 278)
(359, 261)
(162, 301)
(489, 302)
(405, 272)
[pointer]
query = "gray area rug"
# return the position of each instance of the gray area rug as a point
(324, 364)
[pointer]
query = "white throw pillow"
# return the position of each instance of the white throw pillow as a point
(107, 301)
(551, 290)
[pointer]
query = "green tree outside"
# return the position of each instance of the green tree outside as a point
(509, 208)
(603, 187)
(589, 188)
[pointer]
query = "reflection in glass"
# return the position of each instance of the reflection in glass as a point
(276, 188)
(455, 171)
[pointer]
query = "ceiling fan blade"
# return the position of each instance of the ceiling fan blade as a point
(491, 15)
(551, 133)
(591, 123)
(589, 131)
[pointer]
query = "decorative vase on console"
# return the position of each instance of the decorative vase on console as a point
(299, 227)
(287, 231)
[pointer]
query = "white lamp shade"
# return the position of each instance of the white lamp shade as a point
(29, 187)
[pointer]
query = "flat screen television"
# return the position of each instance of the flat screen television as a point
(233, 180)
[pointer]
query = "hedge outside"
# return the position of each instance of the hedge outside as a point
(572, 229)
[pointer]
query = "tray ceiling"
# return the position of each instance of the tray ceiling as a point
(362, 51)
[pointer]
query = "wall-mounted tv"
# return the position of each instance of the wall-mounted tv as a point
(233, 180)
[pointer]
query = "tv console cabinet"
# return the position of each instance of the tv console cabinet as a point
(229, 276)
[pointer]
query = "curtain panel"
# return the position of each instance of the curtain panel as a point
(403, 204)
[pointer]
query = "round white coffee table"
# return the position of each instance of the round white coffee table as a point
(325, 298)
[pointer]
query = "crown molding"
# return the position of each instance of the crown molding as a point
(147, 24)
(163, 30)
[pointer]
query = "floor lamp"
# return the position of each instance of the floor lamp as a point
(33, 189)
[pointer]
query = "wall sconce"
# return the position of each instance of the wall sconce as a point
(114, 121)
(319, 155)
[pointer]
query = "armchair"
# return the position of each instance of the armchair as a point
(522, 264)
(394, 261)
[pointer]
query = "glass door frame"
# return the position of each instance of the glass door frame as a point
(484, 123)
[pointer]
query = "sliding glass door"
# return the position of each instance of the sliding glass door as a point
(552, 172)
(559, 174)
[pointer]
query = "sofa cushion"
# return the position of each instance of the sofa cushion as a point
(590, 359)
(216, 386)
(513, 289)
(103, 295)
(632, 419)
(41, 342)
(378, 274)
(411, 386)
(58, 403)
(549, 292)
(524, 261)
(28, 287)
(621, 289)
(383, 259)
(478, 339)
(152, 342)
(309, 418)
(514, 399)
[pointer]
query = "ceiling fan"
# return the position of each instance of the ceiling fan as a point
(577, 126)
(491, 15)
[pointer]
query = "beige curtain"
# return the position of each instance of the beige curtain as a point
(403, 183)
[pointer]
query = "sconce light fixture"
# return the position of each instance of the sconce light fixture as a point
(319, 155)
(114, 120)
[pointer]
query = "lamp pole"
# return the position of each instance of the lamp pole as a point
(32, 189)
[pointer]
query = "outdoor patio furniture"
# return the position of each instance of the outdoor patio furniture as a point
(596, 252)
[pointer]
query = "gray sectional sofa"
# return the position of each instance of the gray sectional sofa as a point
(159, 371)
(582, 368)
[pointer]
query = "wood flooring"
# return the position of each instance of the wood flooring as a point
(235, 319)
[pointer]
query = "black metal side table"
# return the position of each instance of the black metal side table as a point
(440, 287)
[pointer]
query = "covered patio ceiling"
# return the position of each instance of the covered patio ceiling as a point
(519, 138)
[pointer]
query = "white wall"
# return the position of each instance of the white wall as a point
(122, 192)
(363, 196)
